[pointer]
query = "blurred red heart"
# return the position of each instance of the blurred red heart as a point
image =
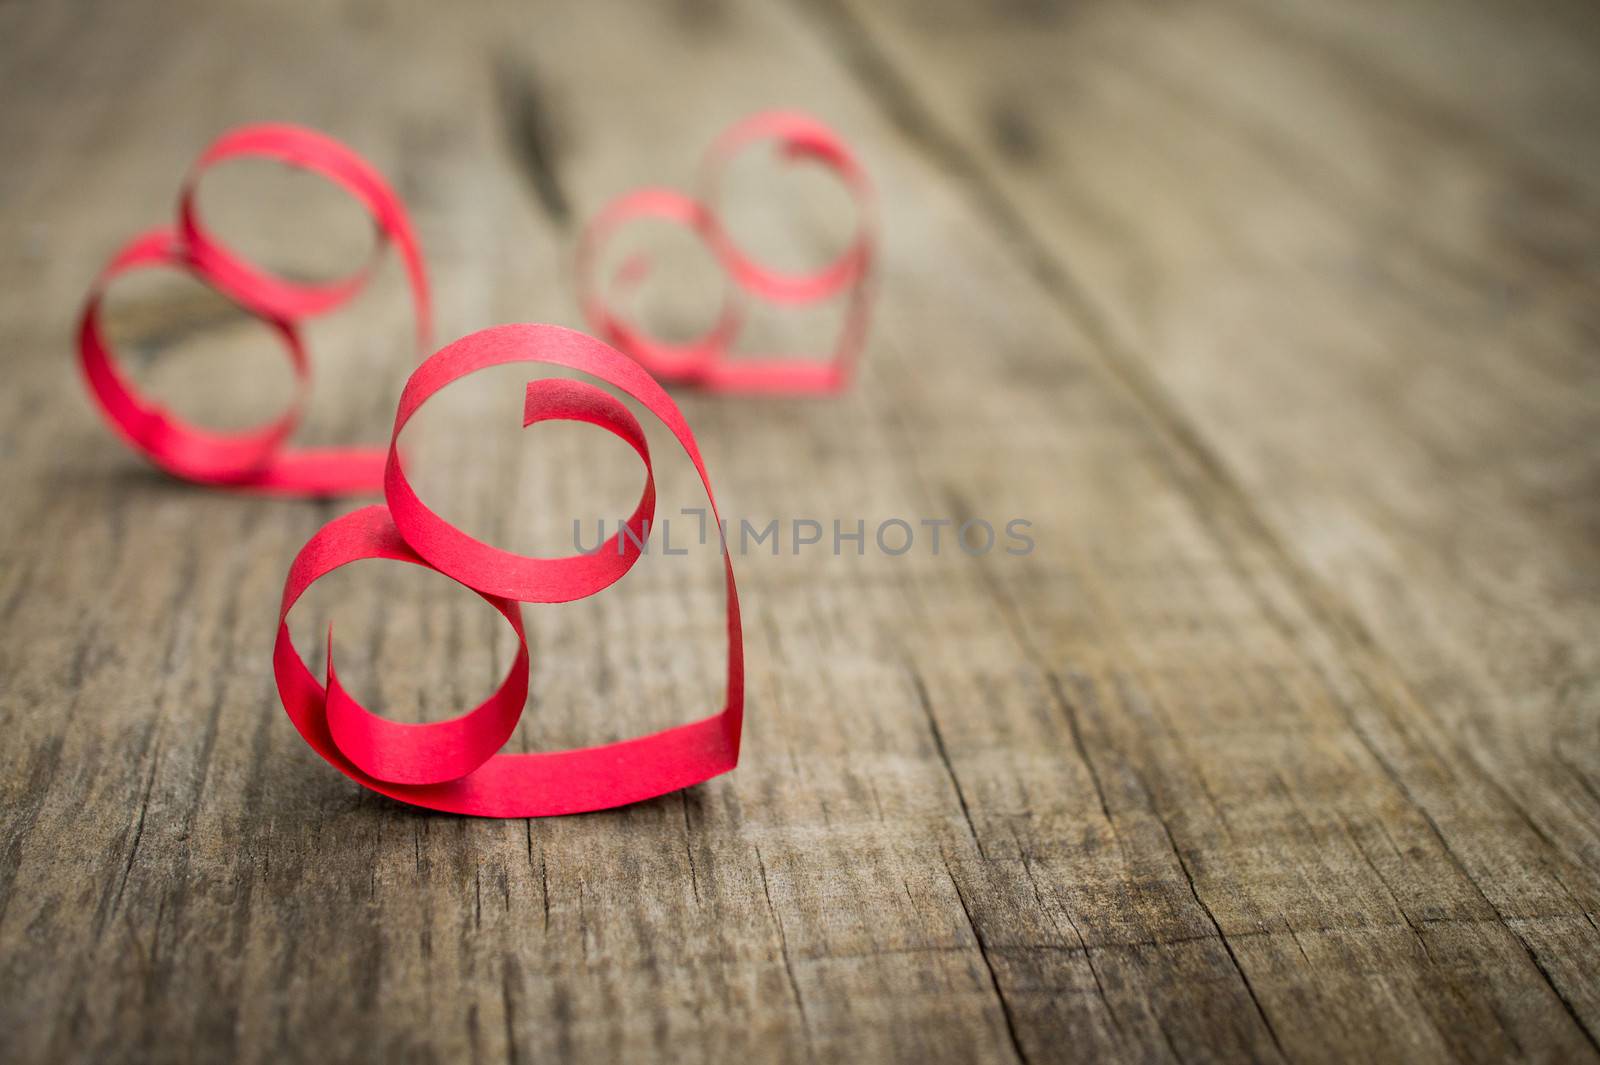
(705, 361)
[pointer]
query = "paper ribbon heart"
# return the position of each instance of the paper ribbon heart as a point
(705, 361)
(253, 459)
(456, 765)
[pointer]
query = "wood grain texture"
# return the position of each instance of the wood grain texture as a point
(1277, 320)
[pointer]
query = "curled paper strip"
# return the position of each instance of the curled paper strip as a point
(456, 765)
(705, 361)
(253, 459)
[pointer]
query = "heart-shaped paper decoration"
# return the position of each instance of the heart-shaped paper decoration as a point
(456, 765)
(254, 459)
(705, 361)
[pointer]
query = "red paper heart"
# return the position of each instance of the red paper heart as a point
(254, 459)
(705, 360)
(455, 765)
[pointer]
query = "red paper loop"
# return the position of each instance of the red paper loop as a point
(182, 449)
(705, 361)
(439, 751)
(255, 459)
(489, 569)
(799, 137)
(454, 765)
(684, 361)
(305, 149)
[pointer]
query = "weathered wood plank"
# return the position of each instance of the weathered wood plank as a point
(1369, 292)
(1138, 795)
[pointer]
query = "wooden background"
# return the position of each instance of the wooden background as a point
(1277, 318)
